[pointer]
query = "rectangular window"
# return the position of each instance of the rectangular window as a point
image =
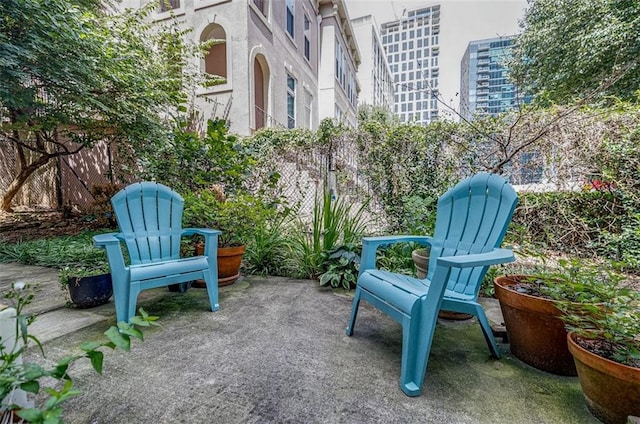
(166, 5)
(308, 99)
(261, 5)
(291, 102)
(290, 20)
(307, 43)
(338, 58)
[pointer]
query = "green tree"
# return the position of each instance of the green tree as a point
(72, 73)
(571, 50)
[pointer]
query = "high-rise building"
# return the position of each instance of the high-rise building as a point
(412, 46)
(338, 63)
(374, 73)
(485, 88)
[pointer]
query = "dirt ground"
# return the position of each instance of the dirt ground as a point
(37, 224)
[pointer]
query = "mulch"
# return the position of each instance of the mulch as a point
(39, 224)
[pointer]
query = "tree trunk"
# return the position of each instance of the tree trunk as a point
(19, 180)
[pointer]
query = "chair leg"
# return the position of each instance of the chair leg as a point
(121, 296)
(212, 290)
(486, 330)
(134, 291)
(354, 311)
(415, 353)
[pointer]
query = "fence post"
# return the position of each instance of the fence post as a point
(58, 188)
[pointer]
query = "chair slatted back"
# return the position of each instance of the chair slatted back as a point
(150, 219)
(472, 217)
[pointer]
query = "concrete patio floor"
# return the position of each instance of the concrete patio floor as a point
(276, 352)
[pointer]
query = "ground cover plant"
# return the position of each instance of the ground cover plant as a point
(56, 252)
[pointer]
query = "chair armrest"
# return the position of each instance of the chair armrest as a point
(496, 256)
(371, 244)
(200, 231)
(210, 239)
(111, 243)
(104, 240)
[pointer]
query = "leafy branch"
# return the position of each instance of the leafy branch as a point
(28, 376)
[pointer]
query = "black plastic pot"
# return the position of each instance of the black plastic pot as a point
(87, 292)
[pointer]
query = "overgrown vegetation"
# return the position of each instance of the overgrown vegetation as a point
(57, 252)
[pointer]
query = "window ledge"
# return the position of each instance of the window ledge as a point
(291, 39)
(216, 89)
(201, 4)
(169, 14)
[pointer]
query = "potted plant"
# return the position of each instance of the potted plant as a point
(605, 343)
(235, 216)
(530, 308)
(87, 286)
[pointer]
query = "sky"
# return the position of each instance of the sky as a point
(461, 21)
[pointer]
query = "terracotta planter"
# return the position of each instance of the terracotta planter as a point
(421, 261)
(87, 292)
(537, 335)
(611, 389)
(229, 261)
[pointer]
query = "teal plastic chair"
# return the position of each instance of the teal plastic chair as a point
(150, 219)
(472, 219)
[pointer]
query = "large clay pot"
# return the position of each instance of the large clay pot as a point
(421, 261)
(229, 261)
(537, 335)
(611, 389)
(87, 292)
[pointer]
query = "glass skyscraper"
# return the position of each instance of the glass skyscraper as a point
(485, 88)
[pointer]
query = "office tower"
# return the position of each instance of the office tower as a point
(412, 46)
(485, 88)
(374, 73)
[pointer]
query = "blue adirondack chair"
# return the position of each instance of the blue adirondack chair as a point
(150, 219)
(472, 219)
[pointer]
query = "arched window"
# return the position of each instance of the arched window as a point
(215, 60)
(261, 91)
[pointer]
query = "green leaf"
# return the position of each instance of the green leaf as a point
(60, 371)
(31, 386)
(89, 346)
(118, 339)
(31, 415)
(96, 358)
(133, 332)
